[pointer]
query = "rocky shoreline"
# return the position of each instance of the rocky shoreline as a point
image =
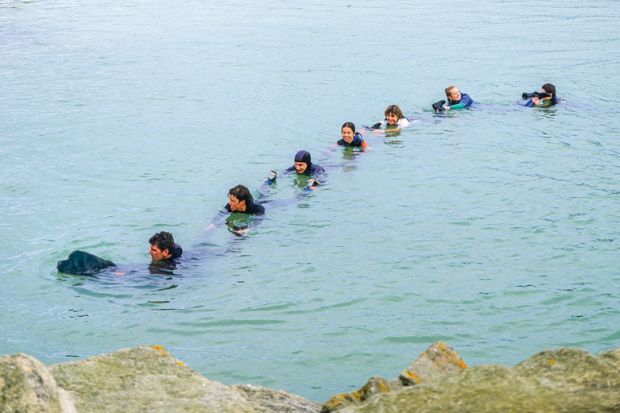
(150, 379)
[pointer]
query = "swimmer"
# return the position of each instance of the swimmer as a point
(350, 138)
(164, 252)
(544, 98)
(240, 200)
(303, 166)
(394, 119)
(456, 100)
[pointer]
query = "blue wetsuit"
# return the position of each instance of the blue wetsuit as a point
(464, 103)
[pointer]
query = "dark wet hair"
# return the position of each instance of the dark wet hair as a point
(350, 125)
(549, 88)
(394, 109)
(242, 193)
(163, 240)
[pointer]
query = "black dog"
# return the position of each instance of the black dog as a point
(83, 263)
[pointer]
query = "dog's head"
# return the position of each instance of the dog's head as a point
(83, 263)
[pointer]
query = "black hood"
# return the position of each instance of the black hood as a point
(304, 156)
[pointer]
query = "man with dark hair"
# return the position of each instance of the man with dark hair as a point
(240, 200)
(163, 248)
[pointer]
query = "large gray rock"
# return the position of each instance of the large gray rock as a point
(26, 386)
(437, 361)
(266, 400)
(149, 379)
(555, 381)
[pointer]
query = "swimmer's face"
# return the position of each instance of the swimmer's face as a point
(158, 254)
(347, 134)
(454, 94)
(235, 204)
(300, 167)
(391, 118)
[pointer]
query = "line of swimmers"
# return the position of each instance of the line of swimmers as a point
(165, 252)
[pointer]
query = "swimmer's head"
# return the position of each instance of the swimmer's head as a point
(393, 114)
(550, 89)
(239, 197)
(161, 246)
(453, 93)
(303, 162)
(347, 131)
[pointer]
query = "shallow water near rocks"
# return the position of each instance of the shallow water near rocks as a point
(494, 229)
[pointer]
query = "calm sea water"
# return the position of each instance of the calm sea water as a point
(496, 229)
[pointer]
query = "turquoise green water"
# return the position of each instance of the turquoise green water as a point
(495, 229)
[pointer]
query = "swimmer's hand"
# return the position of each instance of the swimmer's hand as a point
(313, 183)
(535, 100)
(446, 107)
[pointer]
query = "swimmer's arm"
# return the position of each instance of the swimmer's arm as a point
(218, 220)
(459, 105)
(541, 102)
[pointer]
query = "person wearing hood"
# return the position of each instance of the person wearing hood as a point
(303, 166)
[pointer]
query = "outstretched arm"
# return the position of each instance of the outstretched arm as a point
(218, 220)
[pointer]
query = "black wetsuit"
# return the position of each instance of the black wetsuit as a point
(254, 209)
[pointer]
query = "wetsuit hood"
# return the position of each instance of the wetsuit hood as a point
(304, 156)
(176, 252)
